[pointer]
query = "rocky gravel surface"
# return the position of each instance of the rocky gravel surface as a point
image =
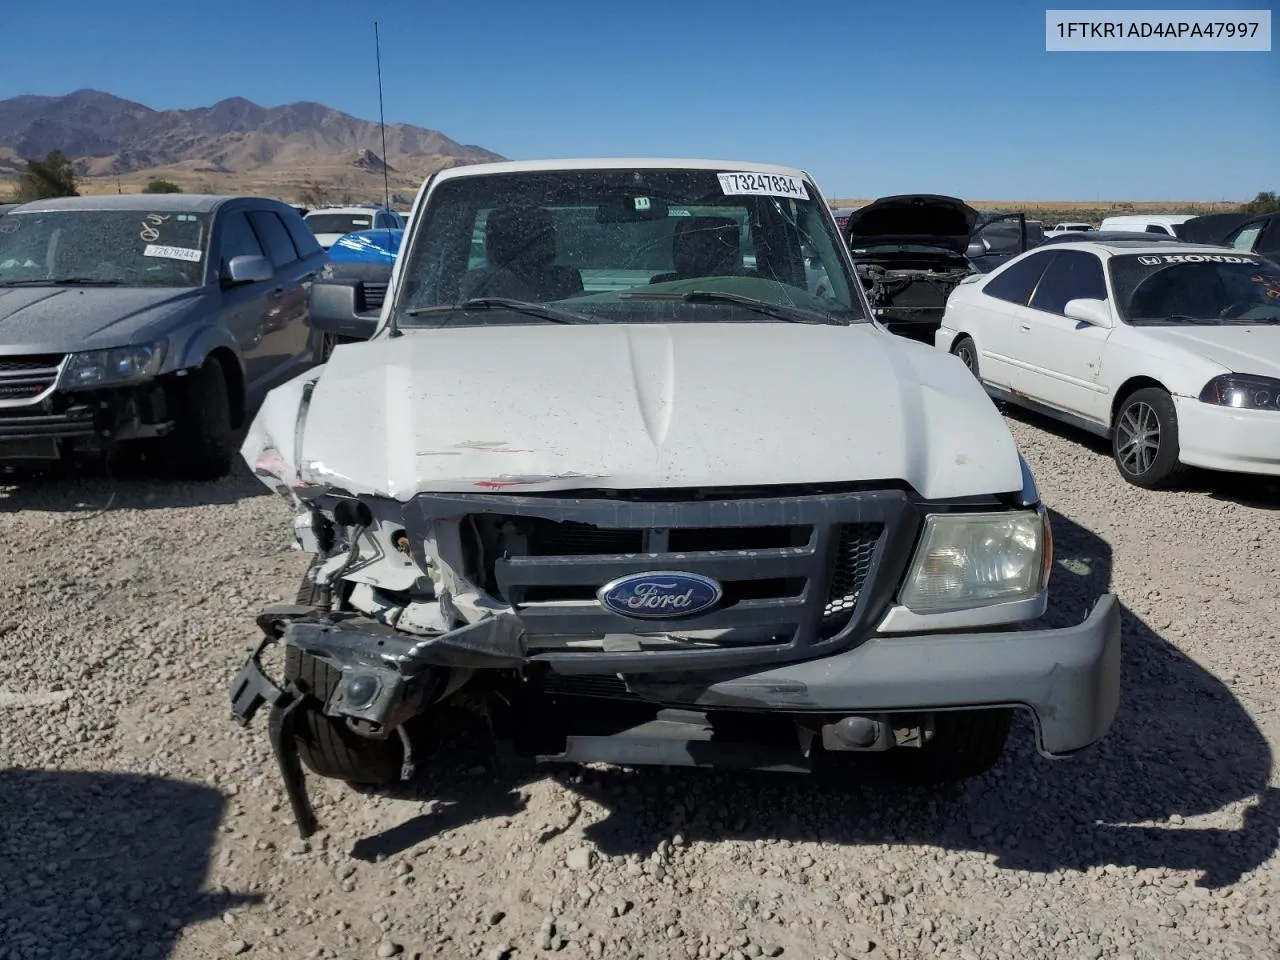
(137, 821)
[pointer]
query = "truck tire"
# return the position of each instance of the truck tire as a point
(201, 445)
(326, 745)
(965, 743)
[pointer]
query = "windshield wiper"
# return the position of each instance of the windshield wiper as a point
(775, 310)
(526, 307)
(62, 282)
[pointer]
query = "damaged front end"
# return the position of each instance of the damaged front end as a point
(377, 635)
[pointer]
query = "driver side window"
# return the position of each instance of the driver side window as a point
(238, 239)
(1073, 275)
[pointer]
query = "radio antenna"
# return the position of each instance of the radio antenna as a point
(382, 123)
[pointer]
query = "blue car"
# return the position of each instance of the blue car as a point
(366, 255)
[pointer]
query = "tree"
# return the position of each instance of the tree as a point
(54, 176)
(162, 186)
(1266, 201)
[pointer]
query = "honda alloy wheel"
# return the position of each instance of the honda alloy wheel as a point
(1144, 438)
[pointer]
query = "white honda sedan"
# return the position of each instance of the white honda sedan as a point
(1172, 351)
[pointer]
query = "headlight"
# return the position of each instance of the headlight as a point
(1244, 391)
(970, 560)
(105, 367)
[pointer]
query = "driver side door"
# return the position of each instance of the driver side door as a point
(1060, 359)
(244, 306)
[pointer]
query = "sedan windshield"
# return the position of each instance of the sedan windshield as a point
(626, 246)
(1206, 288)
(131, 248)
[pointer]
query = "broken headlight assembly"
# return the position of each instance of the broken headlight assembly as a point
(968, 560)
(1242, 391)
(120, 365)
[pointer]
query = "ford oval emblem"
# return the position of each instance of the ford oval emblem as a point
(660, 595)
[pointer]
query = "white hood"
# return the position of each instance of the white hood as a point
(1239, 349)
(539, 407)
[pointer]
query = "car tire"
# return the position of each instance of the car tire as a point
(965, 743)
(1144, 439)
(201, 445)
(326, 745)
(967, 351)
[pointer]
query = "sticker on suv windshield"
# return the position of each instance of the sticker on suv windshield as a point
(762, 185)
(172, 253)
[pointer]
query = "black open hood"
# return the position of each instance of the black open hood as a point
(920, 218)
(1211, 228)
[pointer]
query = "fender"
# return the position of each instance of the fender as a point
(194, 352)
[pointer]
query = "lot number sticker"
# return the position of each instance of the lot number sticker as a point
(172, 253)
(762, 185)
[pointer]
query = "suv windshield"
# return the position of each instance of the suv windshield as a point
(339, 222)
(627, 246)
(1195, 288)
(127, 247)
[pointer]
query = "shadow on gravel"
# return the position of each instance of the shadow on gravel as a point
(92, 488)
(96, 865)
(1258, 492)
(1181, 746)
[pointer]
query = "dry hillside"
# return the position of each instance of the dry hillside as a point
(234, 145)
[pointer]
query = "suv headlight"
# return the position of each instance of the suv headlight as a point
(967, 560)
(1242, 390)
(99, 368)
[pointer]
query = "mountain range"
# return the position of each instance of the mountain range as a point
(234, 143)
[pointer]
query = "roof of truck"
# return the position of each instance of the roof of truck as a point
(615, 163)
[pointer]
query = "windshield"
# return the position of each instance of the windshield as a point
(127, 247)
(625, 246)
(339, 222)
(1196, 288)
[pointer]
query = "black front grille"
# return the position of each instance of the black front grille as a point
(854, 554)
(24, 378)
(374, 294)
(796, 572)
(547, 538)
(35, 362)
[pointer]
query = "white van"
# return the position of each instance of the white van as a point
(1146, 223)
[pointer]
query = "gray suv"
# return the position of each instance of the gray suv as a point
(149, 325)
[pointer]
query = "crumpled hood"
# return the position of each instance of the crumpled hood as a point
(919, 218)
(62, 319)
(542, 407)
(1241, 349)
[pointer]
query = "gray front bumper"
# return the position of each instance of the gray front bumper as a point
(1068, 678)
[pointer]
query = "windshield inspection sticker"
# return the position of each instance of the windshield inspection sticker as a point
(762, 185)
(172, 253)
(1194, 258)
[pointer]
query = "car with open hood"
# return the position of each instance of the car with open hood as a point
(610, 470)
(912, 250)
(148, 325)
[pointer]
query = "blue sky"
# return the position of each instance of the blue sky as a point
(871, 98)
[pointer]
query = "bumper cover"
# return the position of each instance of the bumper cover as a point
(1069, 678)
(1225, 438)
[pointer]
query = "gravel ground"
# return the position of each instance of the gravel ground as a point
(139, 821)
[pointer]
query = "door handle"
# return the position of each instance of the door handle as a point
(1026, 327)
(277, 292)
